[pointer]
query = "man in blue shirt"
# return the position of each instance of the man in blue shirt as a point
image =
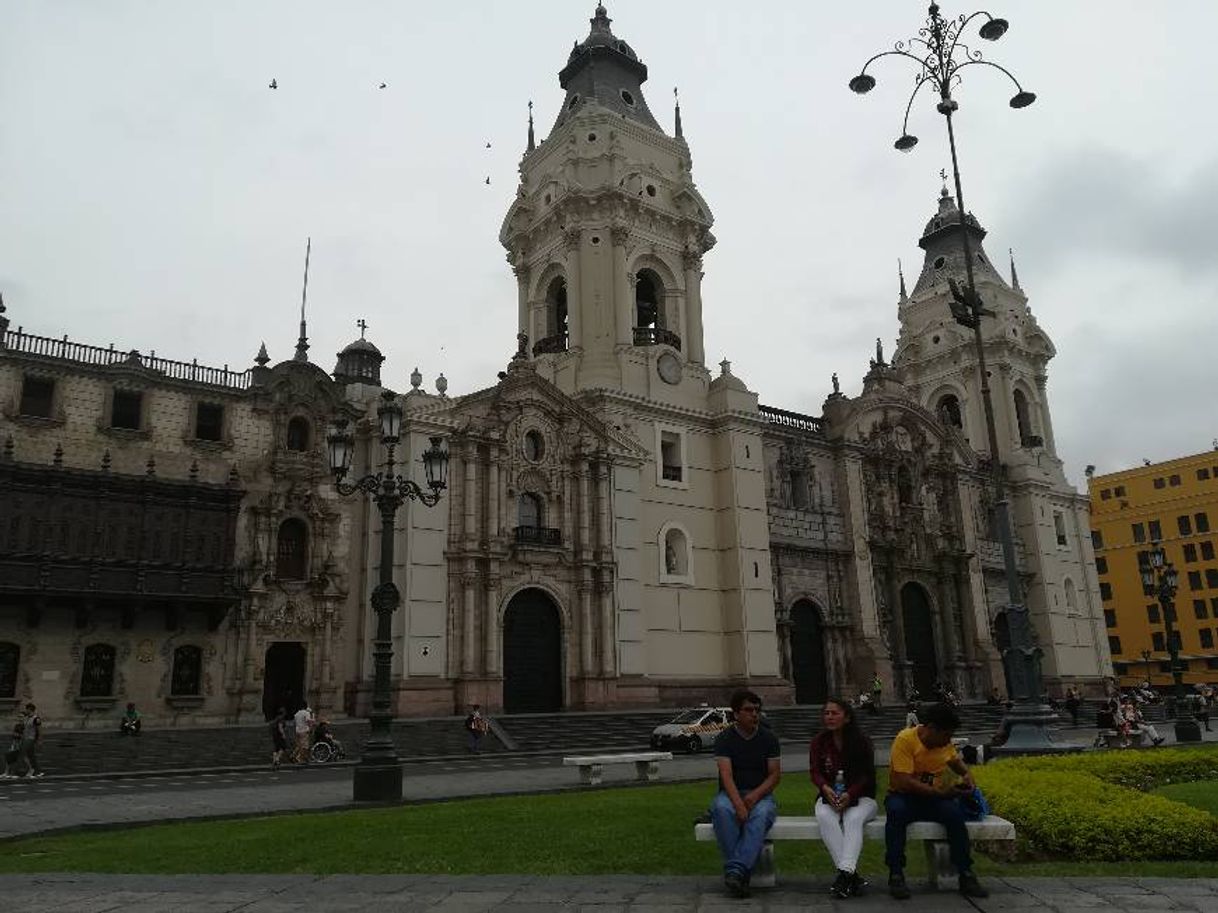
(748, 757)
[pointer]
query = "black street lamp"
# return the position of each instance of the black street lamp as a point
(1159, 579)
(1146, 654)
(378, 776)
(940, 56)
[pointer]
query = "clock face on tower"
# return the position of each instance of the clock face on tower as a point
(668, 366)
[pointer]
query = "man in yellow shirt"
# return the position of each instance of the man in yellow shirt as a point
(916, 792)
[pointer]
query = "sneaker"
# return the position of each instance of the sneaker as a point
(735, 884)
(38, 776)
(897, 888)
(971, 887)
(841, 884)
(858, 884)
(1159, 741)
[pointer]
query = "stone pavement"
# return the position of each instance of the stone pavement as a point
(538, 894)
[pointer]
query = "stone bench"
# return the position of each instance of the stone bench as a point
(592, 767)
(933, 836)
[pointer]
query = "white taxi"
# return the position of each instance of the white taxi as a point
(692, 730)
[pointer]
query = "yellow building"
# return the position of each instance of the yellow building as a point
(1173, 503)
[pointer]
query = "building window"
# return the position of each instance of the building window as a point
(209, 422)
(1139, 532)
(1155, 531)
(1160, 483)
(672, 456)
(1207, 550)
(534, 446)
(1152, 614)
(1097, 539)
(1106, 494)
(37, 396)
(299, 434)
(530, 511)
(187, 678)
(125, 410)
(1211, 578)
(556, 314)
(1114, 645)
(1157, 642)
(10, 659)
(1173, 481)
(1119, 491)
(1110, 618)
(1194, 580)
(1023, 419)
(1190, 553)
(1207, 638)
(1059, 527)
(799, 489)
(1214, 606)
(1202, 474)
(1105, 589)
(1101, 565)
(1199, 609)
(1202, 521)
(949, 410)
(1185, 525)
(97, 671)
(291, 554)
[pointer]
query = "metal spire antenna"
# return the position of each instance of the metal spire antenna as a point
(532, 143)
(302, 343)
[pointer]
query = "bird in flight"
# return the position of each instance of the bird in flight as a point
(382, 85)
(273, 85)
(488, 145)
(488, 179)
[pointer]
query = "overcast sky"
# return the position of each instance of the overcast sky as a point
(155, 193)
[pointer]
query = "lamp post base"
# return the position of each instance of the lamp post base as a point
(1187, 730)
(1027, 727)
(378, 781)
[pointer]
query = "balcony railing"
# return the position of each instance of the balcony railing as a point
(538, 535)
(550, 344)
(656, 336)
(81, 353)
(796, 420)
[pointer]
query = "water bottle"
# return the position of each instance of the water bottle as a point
(839, 784)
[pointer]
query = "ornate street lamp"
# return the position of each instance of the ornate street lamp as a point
(940, 56)
(1159, 579)
(378, 776)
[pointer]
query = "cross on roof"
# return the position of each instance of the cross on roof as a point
(363, 325)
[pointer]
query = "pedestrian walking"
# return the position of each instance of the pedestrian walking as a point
(1205, 701)
(279, 737)
(1073, 703)
(476, 726)
(304, 725)
(13, 750)
(31, 738)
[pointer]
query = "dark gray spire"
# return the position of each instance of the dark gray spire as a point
(532, 143)
(1014, 275)
(679, 134)
(302, 342)
(945, 252)
(901, 274)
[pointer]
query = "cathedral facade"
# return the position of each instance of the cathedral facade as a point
(624, 524)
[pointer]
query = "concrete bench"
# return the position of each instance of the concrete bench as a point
(933, 836)
(1137, 738)
(592, 767)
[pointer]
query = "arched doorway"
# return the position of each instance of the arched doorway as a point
(532, 654)
(283, 678)
(919, 638)
(808, 654)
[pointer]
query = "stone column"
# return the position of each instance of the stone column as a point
(623, 287)
(583, 502)
(693, 343)
(470, 457)
(604, 534)
(1046, 422)
(524, 311)
(490, 623)
(608, 636)
(575, 297)
(492, 497)
(469, 609)
(327, 645)
(586, 591)
(1006, 406)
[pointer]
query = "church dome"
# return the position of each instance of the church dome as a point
(359, 363)
(944, 251)
(605, 69)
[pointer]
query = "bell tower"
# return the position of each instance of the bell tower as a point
(607, 232)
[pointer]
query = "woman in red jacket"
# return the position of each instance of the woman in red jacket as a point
(841, 763)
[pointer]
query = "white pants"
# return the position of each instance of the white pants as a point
(843, 834)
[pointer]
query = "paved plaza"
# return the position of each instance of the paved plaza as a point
(536, 894)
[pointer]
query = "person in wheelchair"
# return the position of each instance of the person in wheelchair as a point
(323, 736)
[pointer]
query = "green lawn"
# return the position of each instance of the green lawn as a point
(642, 830)
(1203, 794)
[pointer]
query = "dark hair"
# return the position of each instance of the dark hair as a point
(742, 696)
(856, 747)
(942, 716)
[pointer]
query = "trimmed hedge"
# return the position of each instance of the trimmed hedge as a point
(1093, 806)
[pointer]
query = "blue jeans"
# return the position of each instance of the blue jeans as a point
(903, 809)
(740, 845)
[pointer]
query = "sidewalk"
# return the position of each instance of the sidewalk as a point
(536, 894)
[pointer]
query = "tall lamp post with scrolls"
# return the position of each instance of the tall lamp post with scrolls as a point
(378, 776)
(940, 56)
(1160, 580)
